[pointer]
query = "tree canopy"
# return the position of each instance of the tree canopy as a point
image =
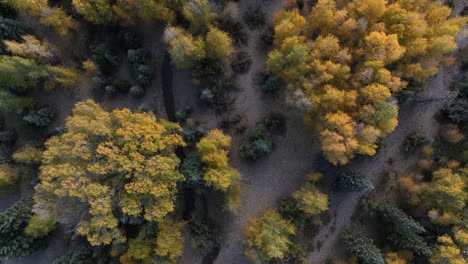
(109, 164)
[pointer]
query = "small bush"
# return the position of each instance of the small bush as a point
(8, 137)
(241, 62)
(405, 97)
(40, 118)
(275, 123)
(28, 155)
(204, 232)
(183, 114)
(110, 91)
(254, 18)
(207, 96)
(457, 111)
(268, 82)
(149, 108)
(295, 255)
(137, 92)
(192, 169)
(289, 209)
(258, 145)
(38, 227)
(353, 181)
(267, 39)
(192, 135)
(122, 86)
(414, 140)
(105, 58)
(99, 82)
(7, 176)
(235, 30)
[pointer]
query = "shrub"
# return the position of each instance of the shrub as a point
(267, 39)
(414, 140)
(183, 114)
(353, 181)
(241, 62)
(268, 82)
(40, 118)
(457, 111)
(147, 108)
(137, 92)
(99, 82)
(310, 200)
(28, 155)
(110, 90)
(275, 122)
(129, 40)
(7, 176)
(192, 135)
(8, 137)
(192, 169)
(258, 145)
(295, 255)
(289, 209)
(406, 96)
(14, 242)
(86, 254)
(105, 58)
(204, 232)
(207, 96)
(38, 227)
(254, 17)
(235, 29)
(122, 86)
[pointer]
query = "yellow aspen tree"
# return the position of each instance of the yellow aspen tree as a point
(218, 44)
(446, 251)
(310, 200)
(109, 161)
(31, 47)
(170, 241)
(268, 236)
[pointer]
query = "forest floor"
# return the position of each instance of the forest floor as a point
(274, 177)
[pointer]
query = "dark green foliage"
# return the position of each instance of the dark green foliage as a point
(258, 145)
(121, 86)
(241, 62)
(99, 82)
(12, 29)
(254, 18)
(406, 96)
(192, 169)
(8, 137)
(403, 238)
(142, 68)
(192, 135)
(110, 90)
(266, 39)
(268, 82)
(457, 111)
(13, 241)
(289, 210)
(183, 114)
(363, 248)
(105, 58)
(41, 117)
(86, 254)
(137, 92)
(207, 96)
(295, 255)
(414, 140)
(129, 40)
(235, 30)
(275, 123)
(204, 232)
(353, 181)
(147, 108)
(395, 216)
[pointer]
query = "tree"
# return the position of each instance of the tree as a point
(13, 241)
(268, 236)
(28, 155)
(395, 216)
(184, 50)
(393, 258)
(310, 200)
(446, 191)
(40, 118)
(353, 181)
(30, 47)
(170, 241)
(96, 11)
(199, 14)
(108, 163)
(447, 252)
(363, 248)
(213, 149)
(7, 175)
(352, 60)
(54, 17)
(218, 44)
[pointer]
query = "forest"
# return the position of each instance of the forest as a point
(233, 131)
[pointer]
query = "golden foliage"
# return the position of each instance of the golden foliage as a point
(28, 155)
(107, 159)
(349, 62)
